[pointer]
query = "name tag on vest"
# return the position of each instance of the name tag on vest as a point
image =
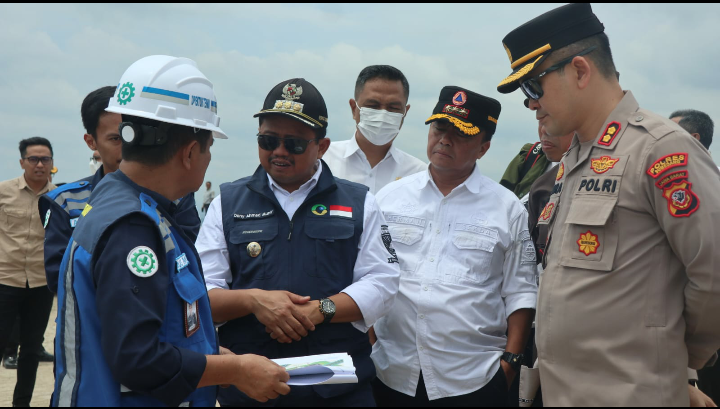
(250, 216)
(182, 262)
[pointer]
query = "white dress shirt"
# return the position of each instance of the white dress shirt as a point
(375, 281)
(467, 263)
(347, 161)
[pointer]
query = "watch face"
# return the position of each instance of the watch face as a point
(328, 306)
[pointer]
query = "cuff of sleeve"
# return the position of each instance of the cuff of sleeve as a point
(371, 312)
(514, 302)
(211, 284)
(177, 389)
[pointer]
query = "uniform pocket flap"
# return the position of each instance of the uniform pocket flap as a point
(249, 231)
(336, 229)
(468, 241)
(587, 212)
(187, 286)
(407, 235)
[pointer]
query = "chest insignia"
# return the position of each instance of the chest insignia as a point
(561, 172)
(603, 164)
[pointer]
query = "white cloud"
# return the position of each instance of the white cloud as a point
(53, 55)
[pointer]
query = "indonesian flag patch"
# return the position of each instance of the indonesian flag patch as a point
(341, 211)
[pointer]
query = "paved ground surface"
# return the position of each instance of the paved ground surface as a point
(44, 382)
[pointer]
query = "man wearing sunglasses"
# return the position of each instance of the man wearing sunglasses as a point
(296, 261)
(631, 284)
(23, 288)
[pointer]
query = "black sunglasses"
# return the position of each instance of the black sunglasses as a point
(295, 146)
(531, 86)
(35, 159)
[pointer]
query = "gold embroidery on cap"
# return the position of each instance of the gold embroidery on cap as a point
(466, 127)
(533, 54)
(520, 73)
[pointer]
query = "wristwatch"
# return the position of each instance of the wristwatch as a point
(327, 308)
(514, 360)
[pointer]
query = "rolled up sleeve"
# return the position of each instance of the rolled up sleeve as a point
(376, 277)
(212, 248)
(519, 288)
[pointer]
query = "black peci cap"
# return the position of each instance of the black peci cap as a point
(466, 110)
(530, 44)
(298, 99)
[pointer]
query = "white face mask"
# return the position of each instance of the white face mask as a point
(379, 126)
(94, 166)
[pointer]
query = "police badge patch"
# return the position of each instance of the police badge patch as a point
(387, 241)
(682, 202)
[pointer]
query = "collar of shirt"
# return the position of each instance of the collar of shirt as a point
(164, 203)
(354, 148)
(22, 184)
(304, 189)
(97, 177)
(472, 183)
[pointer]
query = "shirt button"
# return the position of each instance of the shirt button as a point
(639, 118)
(437, 231)
(422, 317)
(425, 288)
(432, 259)
(421, 348)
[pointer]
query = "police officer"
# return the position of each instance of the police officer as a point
(631, 287)
(134, 325)
(296, 261)
(61, 207)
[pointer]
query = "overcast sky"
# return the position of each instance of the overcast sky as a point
(51, 56)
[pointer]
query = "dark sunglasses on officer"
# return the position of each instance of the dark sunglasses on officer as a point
(295, 146)
(531, 86)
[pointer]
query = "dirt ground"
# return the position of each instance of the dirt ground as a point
(44, 382)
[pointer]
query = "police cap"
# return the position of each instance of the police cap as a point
(467, 110)
(530, 44)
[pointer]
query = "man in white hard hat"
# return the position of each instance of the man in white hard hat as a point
(134, 322)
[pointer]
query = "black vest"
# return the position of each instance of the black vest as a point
(313, 254)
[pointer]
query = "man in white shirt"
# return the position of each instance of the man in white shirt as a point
(467, 266)
(296, 261)
(209, 196)
(379, 109)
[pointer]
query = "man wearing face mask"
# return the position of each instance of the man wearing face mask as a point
(297, 261)
(95, 162)
(379, 109)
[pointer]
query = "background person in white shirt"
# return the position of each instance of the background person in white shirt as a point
(379, 109)
(209, 196)
(467, 271)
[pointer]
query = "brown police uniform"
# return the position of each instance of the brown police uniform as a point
(631, 290)
(630, 295)
(539, 195)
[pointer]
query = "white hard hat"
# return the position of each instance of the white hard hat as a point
(168, 89)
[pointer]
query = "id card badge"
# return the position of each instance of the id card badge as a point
(192, 319)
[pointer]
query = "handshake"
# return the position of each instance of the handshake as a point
(286, 316)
